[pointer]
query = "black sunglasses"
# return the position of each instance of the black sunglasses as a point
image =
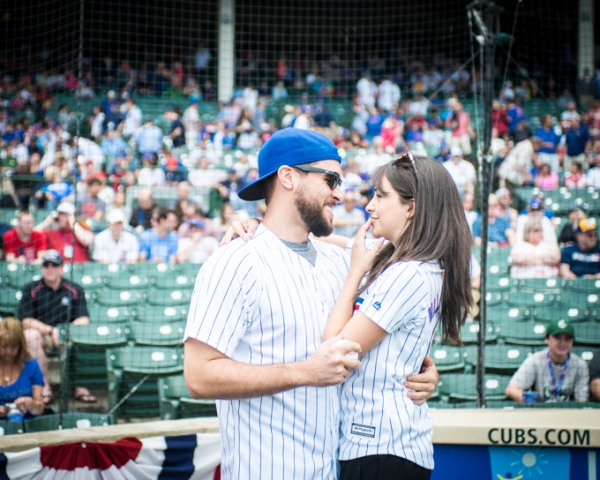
(333, 178)
(408, 158)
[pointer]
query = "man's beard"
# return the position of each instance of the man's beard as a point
(313, 217)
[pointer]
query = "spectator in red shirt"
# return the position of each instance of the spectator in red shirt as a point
(23, 244)
(61, 238)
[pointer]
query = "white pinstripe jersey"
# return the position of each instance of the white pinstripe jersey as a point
(261, 303)
(377, 416)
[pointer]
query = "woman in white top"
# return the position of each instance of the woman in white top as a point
(534, 257)
(419, 277)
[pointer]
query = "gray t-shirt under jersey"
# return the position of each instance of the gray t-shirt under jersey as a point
(306, 250)
(534, 374)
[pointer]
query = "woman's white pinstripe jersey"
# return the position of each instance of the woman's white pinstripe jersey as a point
(261, 303)
(377, 416)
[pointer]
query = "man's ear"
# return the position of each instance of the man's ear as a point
(286, 177)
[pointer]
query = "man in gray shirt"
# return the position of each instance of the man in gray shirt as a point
(554, 374)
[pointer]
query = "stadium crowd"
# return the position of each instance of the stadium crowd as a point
(83, 180)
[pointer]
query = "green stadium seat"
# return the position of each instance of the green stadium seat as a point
(585, 353)
(127, 281)
(462, 387)
(528, 333)
(150, 313)
(579, 300)
(103, 314)
(447, 358)
(45, 423)
(584, 285)
(168, 334)
(500, 284)
(176, 402)
(528, 299)
(503, 314)
(175, 280)
(470, 331)
(152, 270)
(87, 281)
(493, 298)
(165, 298)
(9, 301)
(19, 274)
(540, 285)
(87, 345)
(135, 370)
(118, 298)
(505, 359)
(587, 334)
(11, 428)
(97, 334)
(550, 314)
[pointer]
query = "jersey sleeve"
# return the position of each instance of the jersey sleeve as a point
(396, 297)
(226, 290)
(581, 389)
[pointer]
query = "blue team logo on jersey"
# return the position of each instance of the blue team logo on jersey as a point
(358, 303)
(377, 306)
(433, 308)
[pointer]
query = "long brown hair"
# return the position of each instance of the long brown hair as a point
(11, 334)
(438, 232)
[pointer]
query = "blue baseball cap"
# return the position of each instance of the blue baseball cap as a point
(194, 222)
(290, 146)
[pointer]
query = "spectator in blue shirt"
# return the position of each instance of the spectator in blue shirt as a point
(157, 245)
(582, 258)
(578, 143)
(500, 234)
(22, 381)
(550, 141)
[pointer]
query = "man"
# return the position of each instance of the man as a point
(504, 209)
(61, 238)
(592, 179)
(133, 118)
(23, 244)
(115, 244)
(578, 142)
(500, 234)
(555, 374)
(461, 171)
(515, 170)
(158, 244)
(149, 138)
(582, 259)
(90, 206)
(347, 218)
(253, 337)
(46, 304)
(549, 143)
(141, 217)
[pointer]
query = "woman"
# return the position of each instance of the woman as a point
(546, 179)
(223, 221)
(419, 277)
(534, 257)
(21, 380)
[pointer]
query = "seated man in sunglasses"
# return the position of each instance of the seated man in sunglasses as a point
(253, 336)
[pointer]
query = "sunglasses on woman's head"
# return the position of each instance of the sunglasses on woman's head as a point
(407, 158)
(333, 178)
